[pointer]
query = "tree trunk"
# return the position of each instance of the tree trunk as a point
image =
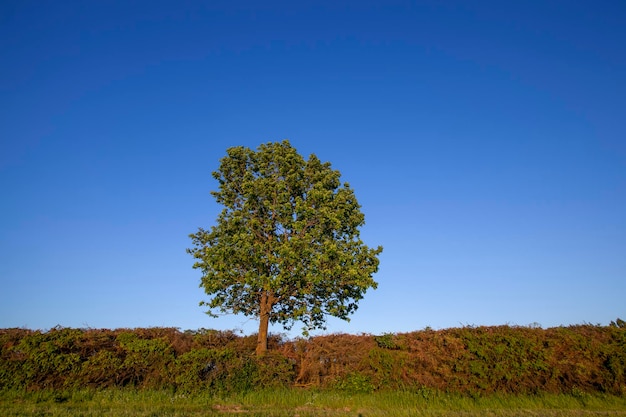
(264, 320)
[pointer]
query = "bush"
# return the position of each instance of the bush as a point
(204, 369)
(354, 382)
(468, 360)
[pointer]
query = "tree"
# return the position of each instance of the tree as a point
(286, 246)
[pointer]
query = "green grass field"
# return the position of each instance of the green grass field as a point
(303, 403)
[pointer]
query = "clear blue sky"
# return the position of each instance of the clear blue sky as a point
(485, 141)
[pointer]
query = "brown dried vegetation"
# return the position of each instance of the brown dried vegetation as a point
(470, 360)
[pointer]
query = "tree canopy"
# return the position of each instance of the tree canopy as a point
(286, 246)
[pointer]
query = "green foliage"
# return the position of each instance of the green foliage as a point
(388, 341)
(274, 371)
(47, 360)
(103, 369)
(473, 361)
(499, 360)
(145, 360)
(386, 368)
(355, 382)
(286, 246)
(200, 369)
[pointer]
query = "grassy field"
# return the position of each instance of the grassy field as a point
(303, 403)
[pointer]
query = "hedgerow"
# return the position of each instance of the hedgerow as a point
(468, 360)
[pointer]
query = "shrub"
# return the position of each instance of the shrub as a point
(354, 382)
(469, 360)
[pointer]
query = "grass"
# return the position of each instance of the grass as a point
(302, 403)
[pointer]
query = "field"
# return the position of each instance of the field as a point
(301, 402)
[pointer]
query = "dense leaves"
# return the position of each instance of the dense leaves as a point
(469, 360)
(286, 246)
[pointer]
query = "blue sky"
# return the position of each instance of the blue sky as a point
(485, 141)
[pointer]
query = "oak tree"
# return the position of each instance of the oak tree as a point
(286, 246)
